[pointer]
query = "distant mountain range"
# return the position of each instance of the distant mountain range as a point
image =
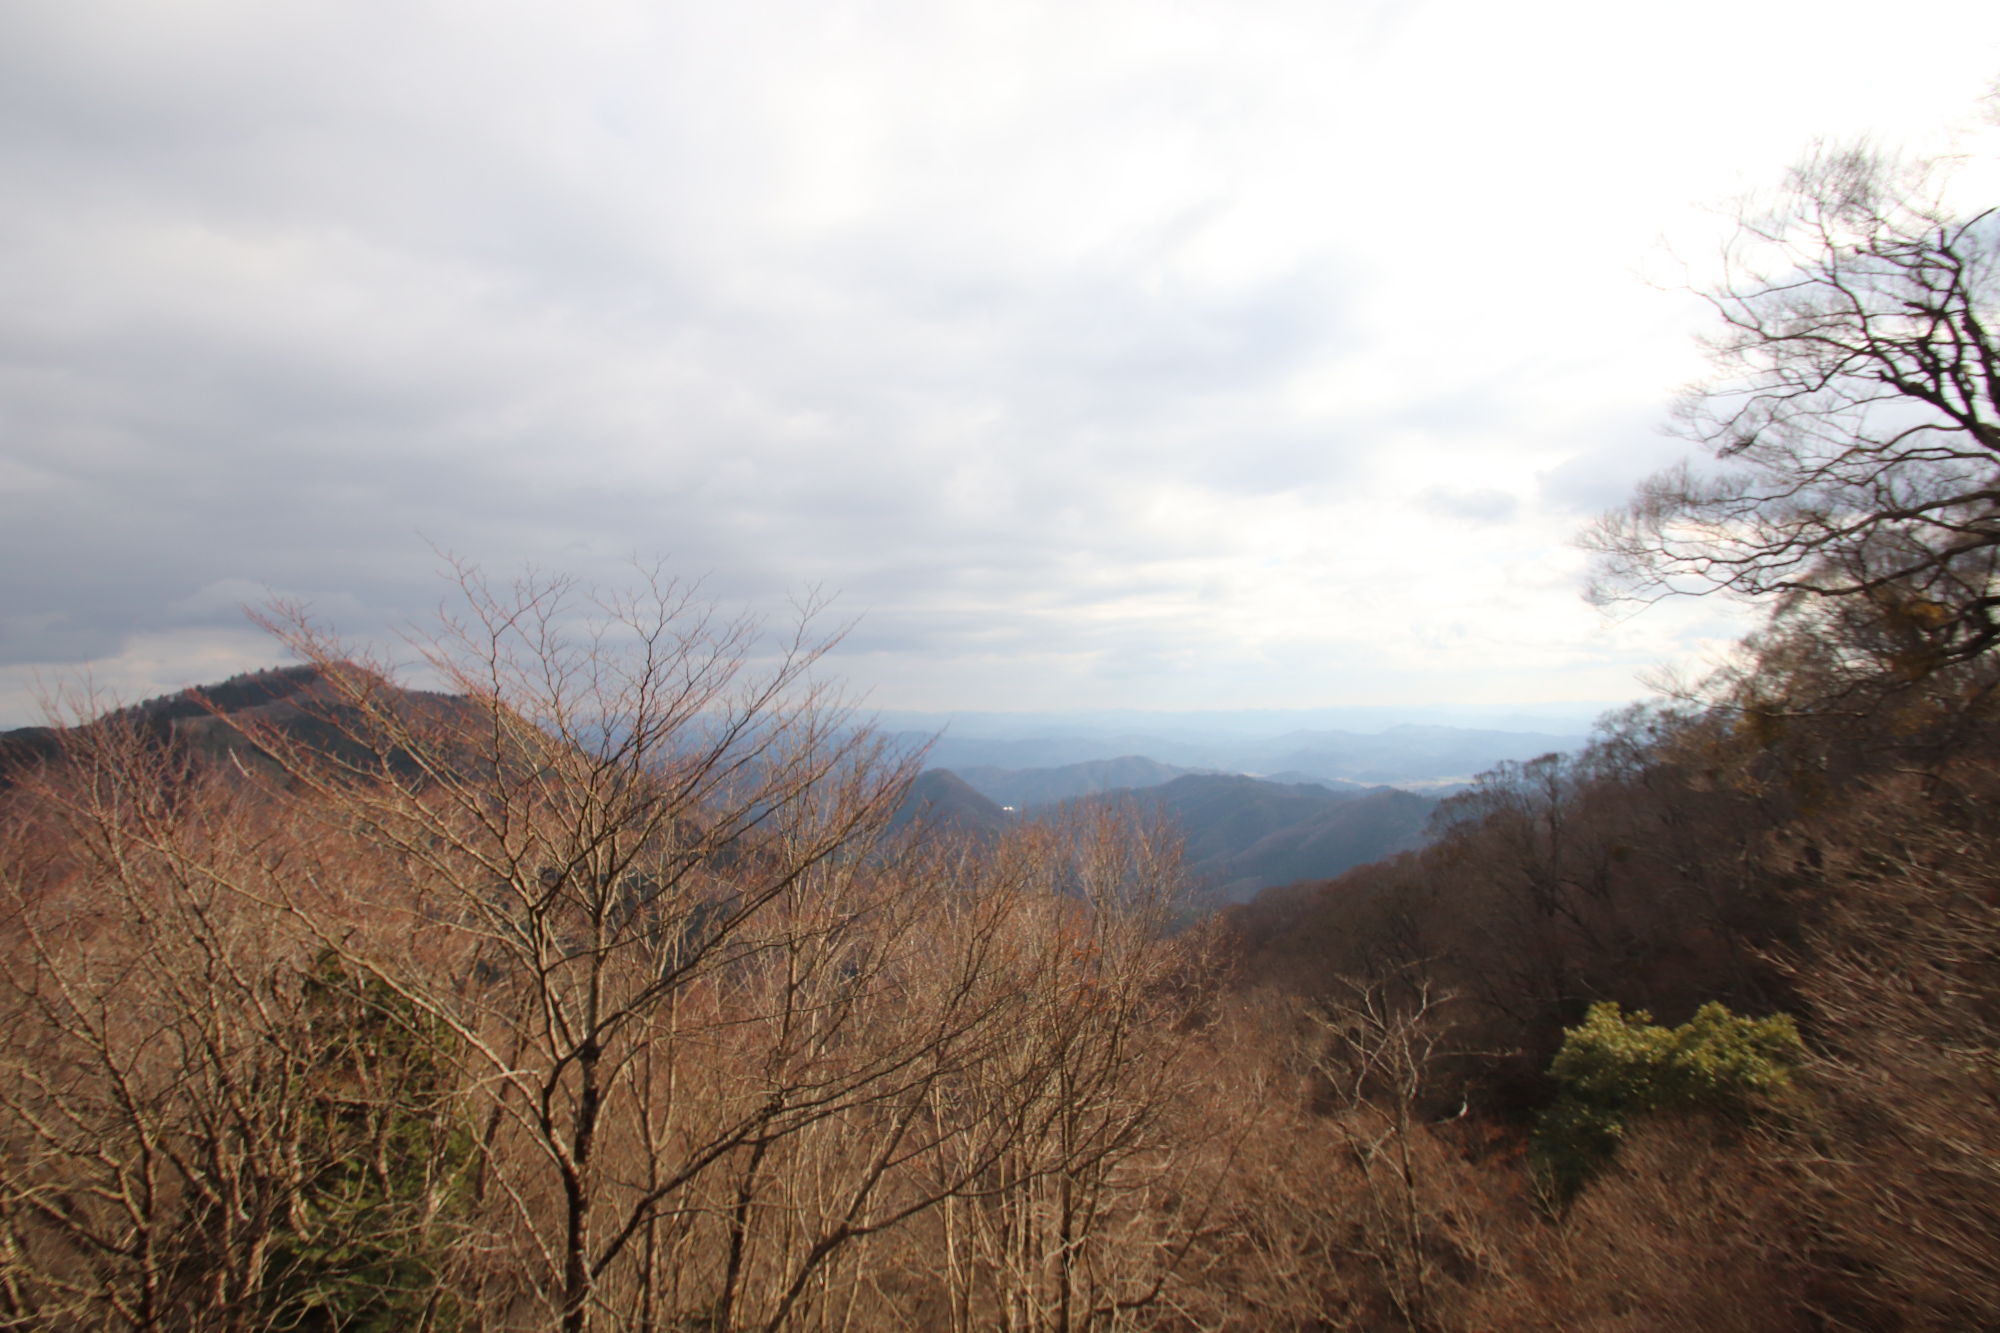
(1242, 833)
(1257, 809)
(1236, 723)
(1407, 755)
(1260, 805)
(1024, 787)
(1245, 834)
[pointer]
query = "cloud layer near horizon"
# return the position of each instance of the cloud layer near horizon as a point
(1197, 356)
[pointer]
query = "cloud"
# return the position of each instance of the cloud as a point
(1483, 505)
(1258, 353)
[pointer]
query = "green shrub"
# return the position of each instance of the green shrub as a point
(385, 1151)
(1614, 1066)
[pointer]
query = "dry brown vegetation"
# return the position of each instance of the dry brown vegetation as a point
(590, 995)
(595, 994)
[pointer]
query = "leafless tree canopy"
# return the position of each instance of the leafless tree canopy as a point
(590, 993)
(1854, 415)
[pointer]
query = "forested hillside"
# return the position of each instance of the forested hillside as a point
(613, 988)
(1021, 787)
(1240, 834)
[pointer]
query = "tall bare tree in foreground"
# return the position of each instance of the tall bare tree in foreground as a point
(1854, 413)
(588, 993)
(642, 896)
(1074, 1126)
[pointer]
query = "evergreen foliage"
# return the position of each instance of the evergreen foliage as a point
(1614, 1067)
(384, 1157)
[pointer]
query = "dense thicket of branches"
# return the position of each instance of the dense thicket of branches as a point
(589, 995)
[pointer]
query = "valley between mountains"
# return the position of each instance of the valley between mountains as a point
(1258, 804)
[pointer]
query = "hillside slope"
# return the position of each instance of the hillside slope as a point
(1245, 834)
(1023, 787)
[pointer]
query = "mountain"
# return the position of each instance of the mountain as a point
(1367, 828)
(940, 800)
(963, 753)
(1242, 833)
(1245, 834)
(1023, 787)
(182, 715)
(1409, 754)
(297, 703)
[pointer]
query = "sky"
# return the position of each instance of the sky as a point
(1249, 354)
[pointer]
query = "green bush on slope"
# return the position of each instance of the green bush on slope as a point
(1615, 1066)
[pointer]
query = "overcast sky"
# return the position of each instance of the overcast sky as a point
(1176, 355)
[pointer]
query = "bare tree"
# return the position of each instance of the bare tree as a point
(1382, 1042)
(201, 1124)
(590, 992)
(1067, 1138)
(1855, 414)
(639, 893)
